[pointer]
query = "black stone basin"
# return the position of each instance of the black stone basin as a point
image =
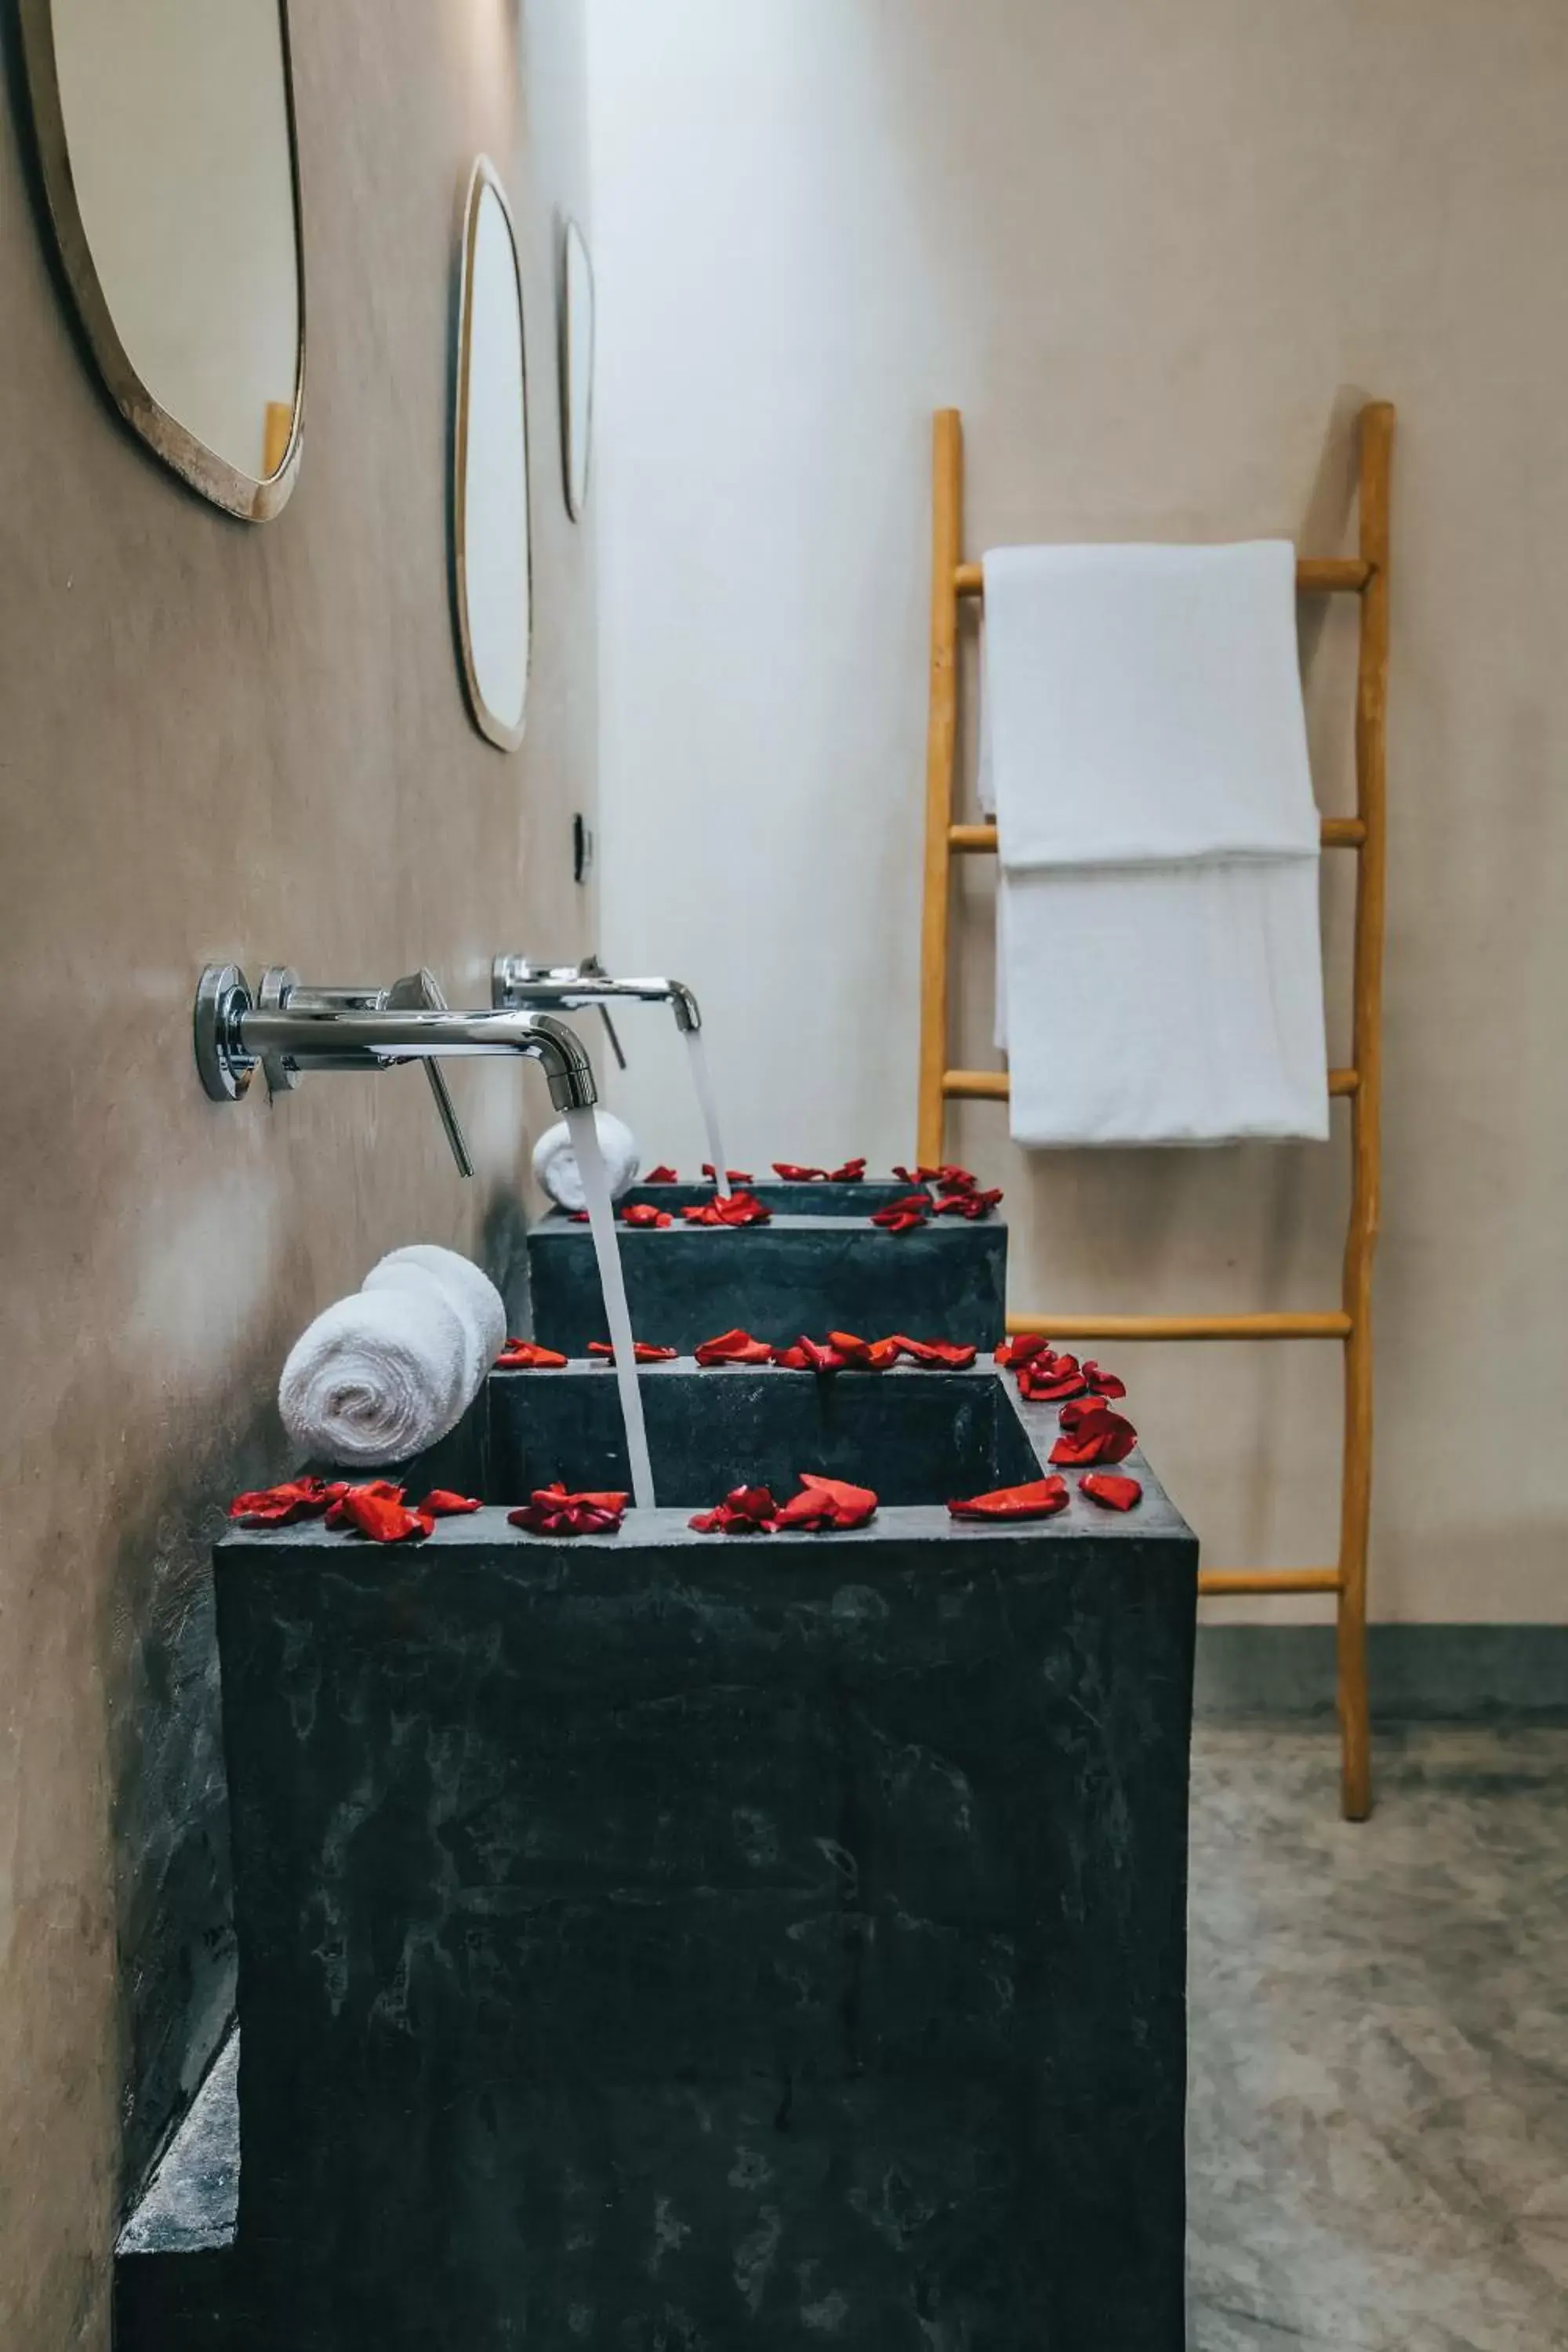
(912, 1437)
(833, 1270)
(818, 1199)
(671, 1941)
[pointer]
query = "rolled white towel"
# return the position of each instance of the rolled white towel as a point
(466, 1288)
(555, 1163)
(378, 1376)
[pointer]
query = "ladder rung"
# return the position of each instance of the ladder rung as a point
(1315, 575)
(1271, 1579)
(1335, 1326)
(980, 840)
(994, 1086)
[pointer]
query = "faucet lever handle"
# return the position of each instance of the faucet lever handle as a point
(419, 991)
(610, 1034)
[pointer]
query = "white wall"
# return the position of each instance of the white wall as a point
(1157, 256)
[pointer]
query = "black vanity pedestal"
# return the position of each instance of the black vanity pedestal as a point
(669, 1941)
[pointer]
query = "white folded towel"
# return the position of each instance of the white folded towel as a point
(381, 1375)
(466, 1288)
(1179, 1004)
(1146, 705)
(1159, 972)
(555, 1163)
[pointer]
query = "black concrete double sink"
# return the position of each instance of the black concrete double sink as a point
(672, 1941)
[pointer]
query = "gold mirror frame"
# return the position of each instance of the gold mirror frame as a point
(237, 493)
(497, 730)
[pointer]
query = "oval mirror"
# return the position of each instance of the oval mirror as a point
(489, 537)
(166, 138)
(576, 368)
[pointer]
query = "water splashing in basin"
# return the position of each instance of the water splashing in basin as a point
(601, 1224)
(703, 1080)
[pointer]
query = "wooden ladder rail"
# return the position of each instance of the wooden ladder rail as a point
(1365, 576)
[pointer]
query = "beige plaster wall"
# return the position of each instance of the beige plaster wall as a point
(1157, 256)
(222, 742)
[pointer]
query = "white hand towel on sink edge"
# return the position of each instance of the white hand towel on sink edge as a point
(555, 1165)
(378, 1377)
(469, 1290)
(384, 1375)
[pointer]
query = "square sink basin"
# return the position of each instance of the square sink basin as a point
(914, 1438)
(646, 1932)
(821, 1198)
(831, 1270)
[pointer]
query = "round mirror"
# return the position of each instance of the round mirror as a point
(166, 137)
(576, 368)
(490, 503)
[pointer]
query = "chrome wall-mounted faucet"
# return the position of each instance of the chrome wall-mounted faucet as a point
(284, 1030)
(519, 984)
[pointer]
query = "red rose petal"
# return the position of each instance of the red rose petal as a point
(527, 1356)
(852, 1173)
(643, 1350)
(1021, 1351)
(283, 1506)
(1102, 1383)
(733, 1348)
(901, 1216)
(1040, 1498)
(579, 1216)
(729, 1209)
(661, 1175)
(1094, 1434)
(971, 1204)
(379, 1512)
(643, 1212)
(1046, 1388)
(735, 1175)
(791, 1174)
(440, 1503)
(1113, 1494)
(551, 1511)
(825, 1503)
(934, 1355)
(862, 1355)
(745, 1511)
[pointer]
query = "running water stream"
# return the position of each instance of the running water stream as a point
(601, 1225)
(703, 1080)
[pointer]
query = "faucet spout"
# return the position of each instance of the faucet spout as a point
(294, 1029)
(306, 1031)
(518, 983)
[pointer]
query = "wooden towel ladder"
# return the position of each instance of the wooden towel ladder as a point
(1365, 577)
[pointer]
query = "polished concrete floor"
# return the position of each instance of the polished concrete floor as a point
(1378, 2123)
